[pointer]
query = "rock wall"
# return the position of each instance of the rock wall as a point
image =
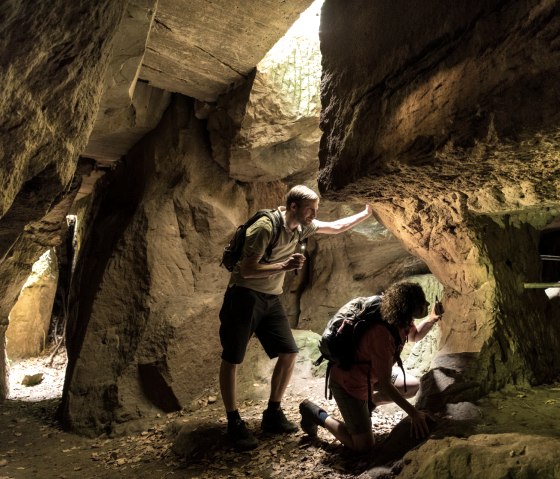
(51, 75)
(143, 330)
(30, 317)
(430, 113)
(147, 288)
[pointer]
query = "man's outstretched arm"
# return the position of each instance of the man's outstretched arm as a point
(343, 224)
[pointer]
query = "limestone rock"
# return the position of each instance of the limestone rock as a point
(32, 380)
(129, 109)
(50, 82)
(51, 74)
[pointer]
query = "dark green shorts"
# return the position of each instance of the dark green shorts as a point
(355, 412)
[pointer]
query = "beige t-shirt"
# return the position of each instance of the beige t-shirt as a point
(257, 239)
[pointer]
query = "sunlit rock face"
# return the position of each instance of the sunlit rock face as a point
(446, 121)
(51, 75)
(30, 318)
(267, 128)
(51, 79)
(129, 108)
(143, 329)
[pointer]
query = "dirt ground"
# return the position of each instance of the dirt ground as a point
(34, 446)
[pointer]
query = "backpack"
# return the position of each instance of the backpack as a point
(339, 342)
(232, 252)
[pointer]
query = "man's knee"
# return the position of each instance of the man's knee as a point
(362, 442)
(412, 387)
(287, 359)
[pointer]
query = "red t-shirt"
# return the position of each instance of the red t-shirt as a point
(377, 347)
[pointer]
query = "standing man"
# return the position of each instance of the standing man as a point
(252, 306)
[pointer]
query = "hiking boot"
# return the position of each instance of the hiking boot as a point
(275, 421)
(242, 438)
(310, 417)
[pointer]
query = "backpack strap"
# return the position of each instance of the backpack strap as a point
(398, 341)
(371, 404)
(327, 376)
(276, 220)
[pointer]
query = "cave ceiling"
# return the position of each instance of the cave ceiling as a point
(197, 48)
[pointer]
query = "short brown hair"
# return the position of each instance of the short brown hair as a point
(300, 193)
(400, 301)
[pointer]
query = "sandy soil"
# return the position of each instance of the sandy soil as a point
(34, 446)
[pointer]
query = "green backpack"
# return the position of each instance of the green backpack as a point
(232, 252)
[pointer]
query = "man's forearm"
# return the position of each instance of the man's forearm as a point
(390, 391)
(421, 330)
(351, 221)
(343, 224)
(261, 270)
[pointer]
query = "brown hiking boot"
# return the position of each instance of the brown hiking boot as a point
(241, 437)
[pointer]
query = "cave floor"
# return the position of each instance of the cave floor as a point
(34, 446)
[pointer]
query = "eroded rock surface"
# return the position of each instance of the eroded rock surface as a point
(51, 74)
(199, 48)
(444, 138)
(143, 334)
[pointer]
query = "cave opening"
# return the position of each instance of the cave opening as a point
(36, 333)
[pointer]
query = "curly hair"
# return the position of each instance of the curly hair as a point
(400, 302)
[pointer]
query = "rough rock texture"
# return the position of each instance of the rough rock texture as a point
(200, 48)
(143, 330)
(118, 129)
(129, 109)
(446, 119)
(30, 317)
(260, 133)
(51, 76)
(510, 433)
(445, 138)
(342, 267)
(16, 266)
(489, 456)
(268, 128)
(142, 335)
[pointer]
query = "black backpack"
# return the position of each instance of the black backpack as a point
(232, 252)
(339, 342)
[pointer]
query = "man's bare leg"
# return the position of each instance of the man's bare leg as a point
(242, 438)
(274, 420)
(281, 376)
(228, 385)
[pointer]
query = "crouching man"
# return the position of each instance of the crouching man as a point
(375, 358)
